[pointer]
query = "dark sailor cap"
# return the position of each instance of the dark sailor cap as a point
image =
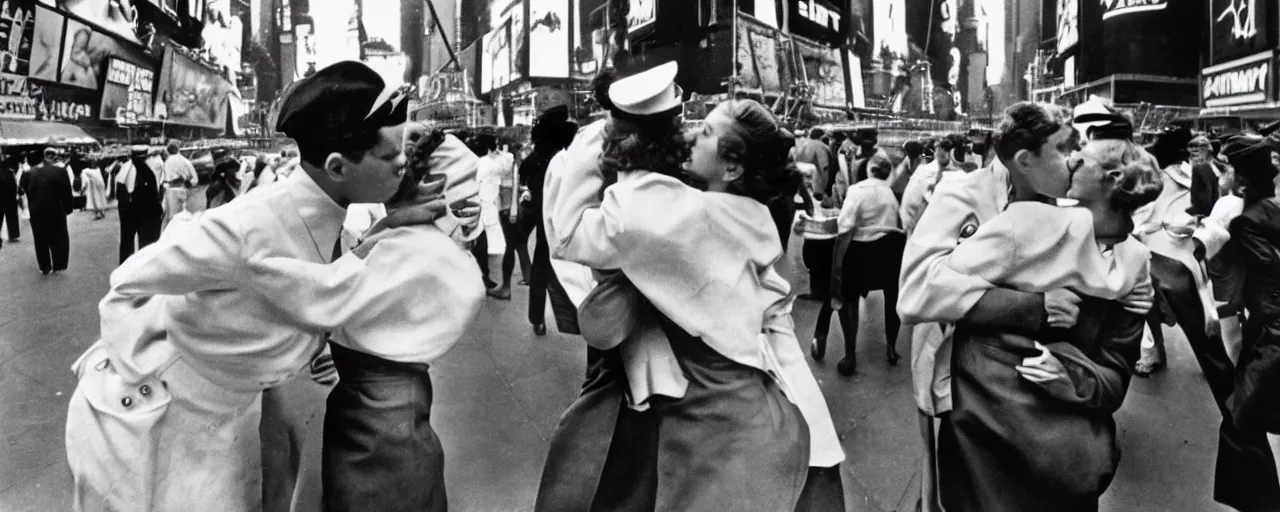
(344, 101)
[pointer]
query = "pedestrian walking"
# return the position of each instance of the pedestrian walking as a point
(179, 176)
(95, 189)
(138, 201)
(552, 132)
(9, 201)
(49, 198)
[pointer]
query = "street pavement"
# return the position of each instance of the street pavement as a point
(500, 393)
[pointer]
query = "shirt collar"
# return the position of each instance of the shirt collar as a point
(322, 215)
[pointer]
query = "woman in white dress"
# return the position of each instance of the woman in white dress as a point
(95, 189)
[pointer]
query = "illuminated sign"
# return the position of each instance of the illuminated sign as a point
(1114, 8)
(1068, 24)
(1239, 82)
(1238, 28)
(641, 14)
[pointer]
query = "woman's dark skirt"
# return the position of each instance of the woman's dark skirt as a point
(817, 256)
(871, 266)
(380, 452)
(733, 442)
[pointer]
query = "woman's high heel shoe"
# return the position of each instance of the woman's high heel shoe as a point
(540, 329)
(818, 349)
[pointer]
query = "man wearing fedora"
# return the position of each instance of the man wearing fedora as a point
(138, 200)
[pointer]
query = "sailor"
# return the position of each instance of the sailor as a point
(198, 324)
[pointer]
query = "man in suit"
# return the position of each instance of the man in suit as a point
(138, 197)
(48, 193)
(9, 200)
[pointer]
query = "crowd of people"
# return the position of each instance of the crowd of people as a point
(1027, 267)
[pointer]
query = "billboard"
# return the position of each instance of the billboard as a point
(46, 44)
(118, 17)
(496, 60)
(824, 68)
(191, 94)
(17, 27)
(641, 14)
(819, 20)
(1238, 28)
(1115, 8)
(519, 36)
(1068, 24)
(85, 53)
(758, 57)
(1239, 82)
(126, 96)
(889, 29)
(549, 37)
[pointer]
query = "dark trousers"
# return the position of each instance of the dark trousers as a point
(9, 217)
(146, 228)
(517, 245)
(53, 245)
(380, 452)
(544, 284)
(480, 251)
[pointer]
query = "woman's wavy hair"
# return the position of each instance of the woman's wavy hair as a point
(761, 147)
(1137, 173)
(654, 145)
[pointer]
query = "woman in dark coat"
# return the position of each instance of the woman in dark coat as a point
(552, 133)
(1255, 247)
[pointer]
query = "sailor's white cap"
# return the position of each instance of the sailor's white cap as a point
(1088, 110)
(650, 92)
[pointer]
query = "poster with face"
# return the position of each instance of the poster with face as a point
(77, 57)
(119, 17)
(823, 68)
(549, 35)
(758, 58)
(46, 44)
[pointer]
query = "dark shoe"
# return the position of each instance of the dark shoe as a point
(45, 272)
(540, 329)
(848, 366)
(892, 357)
(818, 349)
(500, 292)
(489, 285)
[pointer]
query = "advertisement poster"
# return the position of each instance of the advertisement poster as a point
(77, 64)
(126, 97)
(1068, 24)
(497, 55)
(641, 14)
(46, 44)
(889, 29)
(855, 80)
(825, 71)
(519, 36)
(758, 58)
(549, 34)
(119, 17)
(17, 27)
(190, 93)
(1238, 28)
